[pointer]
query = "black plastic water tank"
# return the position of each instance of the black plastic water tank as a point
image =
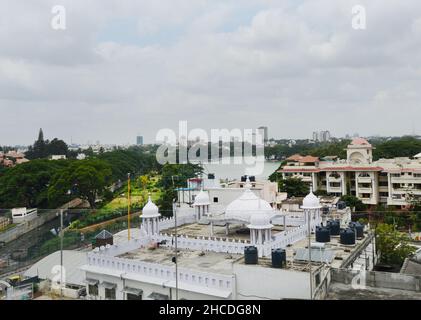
(250, 255)
(347, 236)
(211, 176)
(243, 178)
(322, 234)
(341, 205)
(252, 178)
(358, 227)
(279, 258)
(334, 227)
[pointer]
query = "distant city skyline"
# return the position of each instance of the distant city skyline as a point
(293, 66)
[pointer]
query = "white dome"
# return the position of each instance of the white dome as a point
(150, 210)
(311, 202)
(247, 205)
(201, 199)
(260, 221)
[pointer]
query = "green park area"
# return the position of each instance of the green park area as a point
(116, 208)
(140, 189)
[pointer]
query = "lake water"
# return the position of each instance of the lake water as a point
(235, 171)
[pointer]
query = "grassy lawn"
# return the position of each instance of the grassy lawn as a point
(139, 195)
(118, 206)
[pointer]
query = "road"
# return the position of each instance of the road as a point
(30, 242)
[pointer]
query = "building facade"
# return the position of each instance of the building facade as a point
(394, 182)
(265, 132)
(206, 258)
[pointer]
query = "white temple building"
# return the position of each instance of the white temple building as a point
(211, 259)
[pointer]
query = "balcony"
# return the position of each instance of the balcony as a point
(368, 200)
(364, 180)
(406, 190)
(396, 201)
(406, 179)
(334, 189)
(333, 179)
(365, 190)
(383, 199)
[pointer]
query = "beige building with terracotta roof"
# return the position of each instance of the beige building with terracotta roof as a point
(393, 182)
(12, 158)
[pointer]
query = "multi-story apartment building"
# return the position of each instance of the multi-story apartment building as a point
(321, 136)
(394, 182)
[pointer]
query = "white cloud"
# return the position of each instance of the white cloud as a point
(292, 66)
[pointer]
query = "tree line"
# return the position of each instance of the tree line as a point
(44, 183)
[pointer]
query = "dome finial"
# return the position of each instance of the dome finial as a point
(248, 184)
(311, 201)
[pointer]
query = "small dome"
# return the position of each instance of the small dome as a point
(311, 202)
(201, 199)
(247, 205)
(260, 221)
(360, 142)
(150, 210)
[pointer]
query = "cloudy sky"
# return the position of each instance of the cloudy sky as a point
(123, 68)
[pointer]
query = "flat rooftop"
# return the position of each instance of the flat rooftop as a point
(201, 261)
(339, 252)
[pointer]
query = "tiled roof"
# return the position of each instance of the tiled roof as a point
(299, 169)
(360, 141)
(352, 168)
(308, 159)
(294, 157)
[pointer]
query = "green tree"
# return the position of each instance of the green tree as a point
(58, 147)
(174, 176)
(39, 149)
(143, 182)
(416, 214)
(294, 187)
(397, 147)
(26, 185)
(354, 202)
(86, 179)
(393, 246)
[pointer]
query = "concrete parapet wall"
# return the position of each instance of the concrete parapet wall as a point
(379, 279)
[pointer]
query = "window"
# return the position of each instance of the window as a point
(317, 279)
(93, 289)
(110, 293)
(215, 199)
(131, 296)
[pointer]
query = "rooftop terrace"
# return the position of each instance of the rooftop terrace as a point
(197, 260)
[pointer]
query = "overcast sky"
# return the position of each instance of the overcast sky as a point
(123, 68)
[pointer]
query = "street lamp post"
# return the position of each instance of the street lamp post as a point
(176, 250)
(61, 253)
(311, 206)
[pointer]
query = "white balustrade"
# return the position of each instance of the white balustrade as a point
(163, 272)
